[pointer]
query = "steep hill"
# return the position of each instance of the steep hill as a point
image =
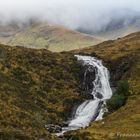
(39, 87)
(41, 35)
(122, 57)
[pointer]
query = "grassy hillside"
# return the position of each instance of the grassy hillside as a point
(51, 37)
(37, 87)
(57, 38)
(122, 57)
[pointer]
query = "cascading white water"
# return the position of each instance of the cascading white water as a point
(92, 109)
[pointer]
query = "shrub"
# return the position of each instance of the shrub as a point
(119, 97)
(123, 88)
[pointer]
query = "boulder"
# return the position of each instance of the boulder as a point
(53, 128)
(65, 124)
(99, 95)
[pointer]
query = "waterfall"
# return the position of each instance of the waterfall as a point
(92, 110)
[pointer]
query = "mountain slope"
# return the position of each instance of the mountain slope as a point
(122, 57)
(57, 38)
(120, 32)
(37, 88)
(51, 37)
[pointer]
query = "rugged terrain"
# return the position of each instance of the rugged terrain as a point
(39, 87)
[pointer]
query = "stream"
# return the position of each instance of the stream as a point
(93, 109)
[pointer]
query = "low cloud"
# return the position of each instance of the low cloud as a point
(86, 15)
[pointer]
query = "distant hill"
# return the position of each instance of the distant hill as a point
(119, 32)
(51, 37)
(57, 38)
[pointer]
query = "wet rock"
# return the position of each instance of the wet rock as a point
(65, 124)
(98, 110)
(89, 77)
(53, 128)
(99, 95)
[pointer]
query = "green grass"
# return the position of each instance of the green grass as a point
(119, 97)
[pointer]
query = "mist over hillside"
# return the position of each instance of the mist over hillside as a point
(89, 16)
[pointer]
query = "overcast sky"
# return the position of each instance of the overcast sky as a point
(92, 14)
